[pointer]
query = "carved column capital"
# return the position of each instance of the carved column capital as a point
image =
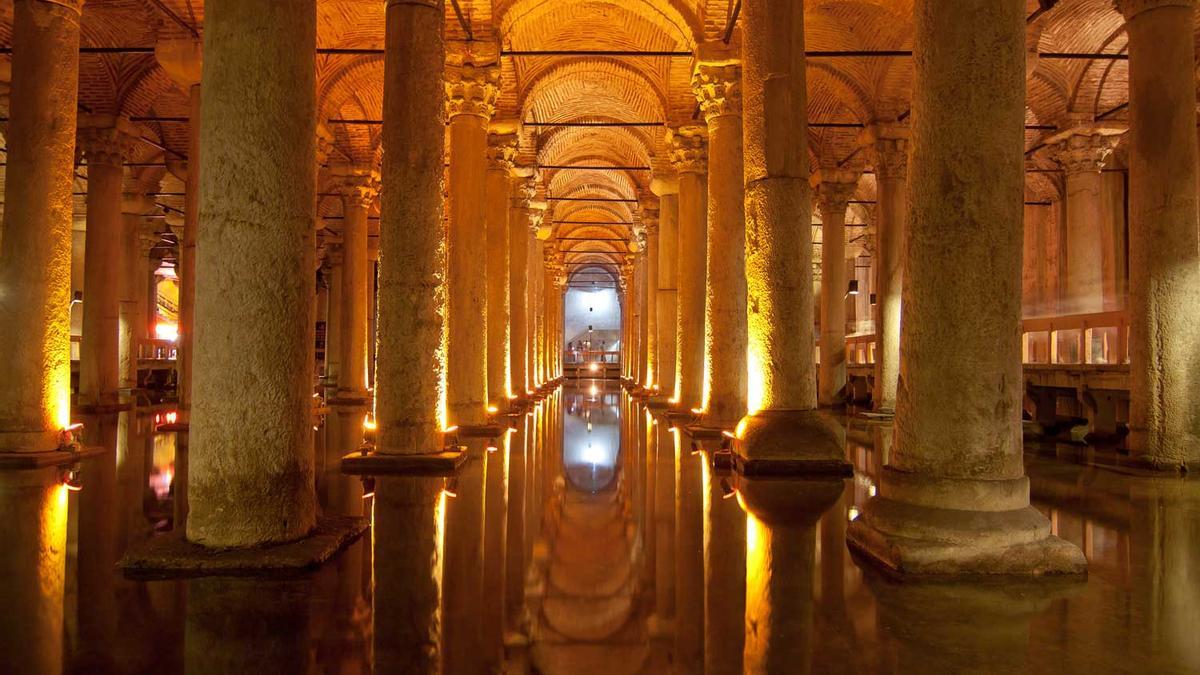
(1084, 152)
(718, 87)
(502, 151)
(1131, 8)
(689, 148)
(105, 139)
(889, 146)
(833, 189)
(358, 185)
(471, 89)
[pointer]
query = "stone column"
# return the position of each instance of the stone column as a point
(640, 308)
(35, 242)
(834, 189)
(689, 155)
(624, 289)
(1164, 251)
(136, 306)
(411, 361)
(519, 238)
(889, 144)
(783, 426)
(358, 185)
(537, 328)
(251, 452)
(551, 310)
(717, 85)
(954, 498)
(501, 152)
(333, 323)
(653, 262)
(666, 186)
(104, 142)
(471, 91)
(1083, 155)
(182, 60)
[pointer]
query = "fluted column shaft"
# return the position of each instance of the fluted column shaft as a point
(1164, 244)
(252, 388)
(717, 85)
(35, 243)
(689, 155)
(104, 142)
(471, 94)
(834, 189)
(410, 362)
(502, 150)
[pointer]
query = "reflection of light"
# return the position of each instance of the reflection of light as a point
(594, 455)
(727, 433)
(369, 423)
(852, 514)
(452, 429)
(166, 331)
(871, 490)
(493, 409)
(593, 367)
(594, 390)
(698, 411)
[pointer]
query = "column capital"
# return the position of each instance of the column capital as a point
(471, 89)
(833, 189)
(502, 151)
(182, 59)
(689, 148)
(537, 215)
(358, 184)
(717, 85)
(889, 144)
(325, 141)
(650, 221)
(1083, 150)
(664, 181)
(1131, 8)
(525, 190)
(105, 139)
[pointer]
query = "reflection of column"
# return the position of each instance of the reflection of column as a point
(724, 575)
(1083, 156)
(834, 189)
(104, 142)
(463, 607)
(689, 557)
(409, 531)
(664, 523)
(471, 92)
(890, 145)
(783, 425)
(780, 539)
(230, 629)
(35, 248)
(98, 522)
(32, 568)
(520, 214)
(358, 187)
(689, 155)
(252, 384)
(1164, 251)
(410, 361)
(514, 567)
(717, 86)
(955, 499)
(495, 555)
(537, 338)
(501, 151)
(666, 186)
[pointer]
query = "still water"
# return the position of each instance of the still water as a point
(594, 540)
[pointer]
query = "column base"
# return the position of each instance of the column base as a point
(173, 556)
(101, 408)
(934, 528)
(446, 463)
(18, 442)
(789, 443)
(25, 461)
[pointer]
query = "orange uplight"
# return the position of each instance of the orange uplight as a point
(166, 331)
(450, 430)
(71, 480)
(593, 367)
(698, 411)
(369, 423)
(493, 409)
(728, 434)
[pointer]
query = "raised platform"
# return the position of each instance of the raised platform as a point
(21, 461)
(375, 464)
(172, 556)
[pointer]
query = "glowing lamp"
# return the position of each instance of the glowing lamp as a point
(852, 514)
(493, 409)
(166, 331)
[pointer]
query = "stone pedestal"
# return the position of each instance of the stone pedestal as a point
(251, 445)
(717, 85)
(833, 188)
(689, 156)
(35, 243)
(954, 499)
(1164, 241)
(471, 90)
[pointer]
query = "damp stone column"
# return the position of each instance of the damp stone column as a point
(650, 225)
(251, 444)
(889, 144)
(1164, 251)
(689, 156)
(784, 433)
(35, 242)
(666, 186)
(717, 85)
(953, 498)
(519, 239)
(472, 84)
(411, 360)
(834, 188)
(501, 152)
(358, 186)
(104, 142)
